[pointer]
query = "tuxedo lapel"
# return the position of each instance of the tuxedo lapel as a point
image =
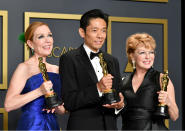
(87, 64)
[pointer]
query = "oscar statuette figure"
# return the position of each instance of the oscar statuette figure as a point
(51, 98)
(109, 96)
(162, 108)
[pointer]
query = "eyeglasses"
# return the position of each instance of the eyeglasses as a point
(145, 53)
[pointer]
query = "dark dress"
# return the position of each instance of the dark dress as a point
(33, 118)
(140, 105)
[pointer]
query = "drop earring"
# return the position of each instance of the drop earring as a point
(133, 64)
(32, 51)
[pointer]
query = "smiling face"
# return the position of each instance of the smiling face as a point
(140, 49)
(143, 57)
(95, 34)
(42, 42)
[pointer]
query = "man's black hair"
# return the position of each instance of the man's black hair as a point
(92, 14)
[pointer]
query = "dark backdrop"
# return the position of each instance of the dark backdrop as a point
(66, 35)
(183, 61)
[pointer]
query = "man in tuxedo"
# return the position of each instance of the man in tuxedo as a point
(82, 79)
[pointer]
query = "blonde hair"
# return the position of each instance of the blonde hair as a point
(139, 39)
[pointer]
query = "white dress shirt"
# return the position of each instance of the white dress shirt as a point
(96, 65)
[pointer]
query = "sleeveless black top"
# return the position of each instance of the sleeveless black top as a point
(140, 105)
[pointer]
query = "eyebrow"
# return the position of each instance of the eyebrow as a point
(42, 33)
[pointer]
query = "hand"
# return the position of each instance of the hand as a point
(163, 97)
(105, 83)
(60, 109)
(49, 110)
(46, 87)
(117, 105)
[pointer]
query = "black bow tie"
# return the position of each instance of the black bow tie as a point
(92, 55)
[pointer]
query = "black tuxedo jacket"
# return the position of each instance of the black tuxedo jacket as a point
(80, 94)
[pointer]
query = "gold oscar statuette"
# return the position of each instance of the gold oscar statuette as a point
(162, 108)
(110, 96)
(51, 99)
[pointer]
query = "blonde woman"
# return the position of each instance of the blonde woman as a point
(142, 88)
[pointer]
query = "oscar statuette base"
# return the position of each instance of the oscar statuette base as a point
(161, 112)
(110, 97)
(51, 102)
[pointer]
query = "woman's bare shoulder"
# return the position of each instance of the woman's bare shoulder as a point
(21, 71)
(28, 69)
(22, 67)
